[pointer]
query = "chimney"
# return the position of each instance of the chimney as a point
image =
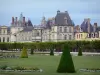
(15, 20)
(95, 27)
(88, 21)
(95, 24)
(12, 20)
(58, 11)
(65, 11)
(23, 20)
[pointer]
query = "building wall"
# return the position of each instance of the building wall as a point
(81, 36)
(37, 35)
(62, 33)
(4, 38)
(4, 34)
(15, 30)
(24, 36)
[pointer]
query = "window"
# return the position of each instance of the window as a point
(60, 29)
(3, 31)
(37, 33)
(70, 37)
(92, 35)
(77, 36)
(81, 36)
(69, 29)
(3, 39)
(65, 29)
(7, 39)
(96, 35)
(65, 37)
(65, 18)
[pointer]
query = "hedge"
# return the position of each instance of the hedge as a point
(42, 46)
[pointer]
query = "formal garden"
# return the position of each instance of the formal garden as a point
(50, 58)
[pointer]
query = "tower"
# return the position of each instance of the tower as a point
(43, 22)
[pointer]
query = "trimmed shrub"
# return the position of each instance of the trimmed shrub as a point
(3, 67)
(52, 52)
(80, 51)
(24, 53)
(66, 62)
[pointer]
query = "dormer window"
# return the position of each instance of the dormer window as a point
(65, 20)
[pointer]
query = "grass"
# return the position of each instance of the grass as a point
(49, 64)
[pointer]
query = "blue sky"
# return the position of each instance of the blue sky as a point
(35, 9)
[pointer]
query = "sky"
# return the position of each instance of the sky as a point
(36, 9)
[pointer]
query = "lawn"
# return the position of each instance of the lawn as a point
(49, 64)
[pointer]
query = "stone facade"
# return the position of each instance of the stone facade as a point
(58, 28)
(4, 34)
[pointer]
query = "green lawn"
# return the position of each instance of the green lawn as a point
(49, 64)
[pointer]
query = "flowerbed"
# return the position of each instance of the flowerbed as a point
(90, 70)
(5, 68)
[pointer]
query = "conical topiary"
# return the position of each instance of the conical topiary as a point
(80, 51)
(24, 53)
(52, 52)
(66, 62)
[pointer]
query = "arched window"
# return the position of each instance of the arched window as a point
(65, 37)
(60, 29)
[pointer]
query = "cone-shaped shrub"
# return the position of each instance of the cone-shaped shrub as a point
(52, 52)
(24, 53)
(66, 62)
(80, 51)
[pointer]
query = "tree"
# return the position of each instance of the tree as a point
(24, 53)
(66, 62)
(80, 51)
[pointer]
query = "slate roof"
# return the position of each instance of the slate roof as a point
(29, 28)
(84, 27)
(59, 19)
(29, 23)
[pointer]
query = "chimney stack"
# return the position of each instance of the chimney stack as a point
(24, 20)
(12, 20)
(15, 20)
(95, 24)
(95, 27)
(58, 11)
(66, 12)
(88, 21)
